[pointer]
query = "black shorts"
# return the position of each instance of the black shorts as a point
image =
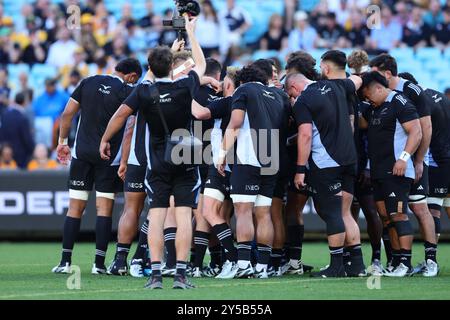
(331, 181)
(204, 170)
(135, 178)
(281, 188)
(439, 178)
(180, 181)
(247, 183)
(362, 188)
(306, 191)
(84, 175)
(394, 191)
(419, 190)
(218, 186)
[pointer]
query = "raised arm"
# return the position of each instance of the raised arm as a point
(197, 52)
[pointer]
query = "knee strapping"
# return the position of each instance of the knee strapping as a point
(437, 225)
(403, 228)
(331, 212)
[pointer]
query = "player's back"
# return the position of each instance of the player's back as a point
(327, 102)
(440, 117)
(99, 97)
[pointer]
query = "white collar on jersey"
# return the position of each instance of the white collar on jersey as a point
(400, 85)
(390, 96)
(167, 79)
(116, 76)
(307, 85)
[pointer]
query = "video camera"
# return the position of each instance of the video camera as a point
(190, 7)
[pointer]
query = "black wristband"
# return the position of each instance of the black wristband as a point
(301, 169)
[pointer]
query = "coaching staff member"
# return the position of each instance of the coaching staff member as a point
(97, 98)
(325, 145)
(164, 179)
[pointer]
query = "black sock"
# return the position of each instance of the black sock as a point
(102, 235)
(437, 225)
(122, 250)
(143, 242)
(223, 233)
(336, 254)
(387, 243)
(405, 257)
(201, 241)
(396, 255)
(295, 236)
(275, 258)
(244, 250)
(181, 268)
(376, 251)
(264, 252)
(346, 256)
(192, 258)
(216, 255)
(156, 268)
(430, 251)
(70, 233)
(169, 242)
(356, 256)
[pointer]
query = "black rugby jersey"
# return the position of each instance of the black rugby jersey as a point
(99, 98)
(325, 105)
(386, 136)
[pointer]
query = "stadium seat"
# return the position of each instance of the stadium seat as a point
(402, 53)
(264, 54)
(15, 69)
(434, 66)
(428, 54)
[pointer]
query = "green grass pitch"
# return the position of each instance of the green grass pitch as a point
(25, 274)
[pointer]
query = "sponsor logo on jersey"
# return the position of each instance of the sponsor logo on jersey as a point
(165, 98)
(268, 94)
(105, 89)
(324, 90)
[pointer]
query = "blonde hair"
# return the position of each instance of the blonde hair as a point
(358, 61)
(232, 73)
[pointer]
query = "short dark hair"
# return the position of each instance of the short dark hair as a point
(408, 76)
(447, 91)
(160, 61)
(385, 62)
(252, 74)
(75, 73)
(20, 98)
(337, 57)
(213, 67)
(371, 77)
(265, 66)
(302, 62)
(129, 65)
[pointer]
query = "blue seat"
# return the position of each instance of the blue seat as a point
(424, 54)
(264, 54)
(402, 53)
(15, 69)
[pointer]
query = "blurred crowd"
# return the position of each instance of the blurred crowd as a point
(46, 35)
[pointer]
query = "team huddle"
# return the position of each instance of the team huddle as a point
(257, 146)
